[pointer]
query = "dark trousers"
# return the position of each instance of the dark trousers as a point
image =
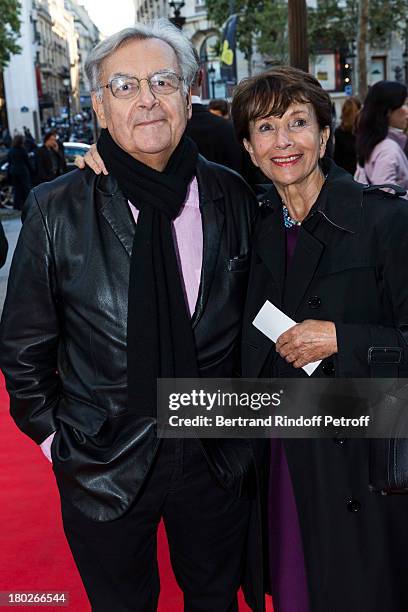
(206, 528)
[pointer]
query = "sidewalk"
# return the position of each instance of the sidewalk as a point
(6, 214)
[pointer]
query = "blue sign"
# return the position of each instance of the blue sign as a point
(348, 90)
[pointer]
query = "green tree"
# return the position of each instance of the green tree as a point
(331, 25)
(272, 32)
(9, 30)
(261, 22)
(334, 26)
(386, 16)
(356, 21)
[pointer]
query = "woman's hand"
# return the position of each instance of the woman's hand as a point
(91, 159)
(307, 342)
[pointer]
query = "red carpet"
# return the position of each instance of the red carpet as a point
(33, 552)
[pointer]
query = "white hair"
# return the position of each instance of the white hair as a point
(162, 29)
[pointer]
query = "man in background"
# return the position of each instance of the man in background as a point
(50, 161)
(214, 136)
(219, 107)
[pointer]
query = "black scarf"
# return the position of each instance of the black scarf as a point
(160, 341)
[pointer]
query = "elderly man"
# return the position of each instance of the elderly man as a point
(118, 280)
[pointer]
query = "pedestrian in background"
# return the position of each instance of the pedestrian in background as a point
(6, 138)
(219, 108)
(380, 136)
(345, 154)
(214, 136)
(29, 140)
(19, 171)
(50, 159)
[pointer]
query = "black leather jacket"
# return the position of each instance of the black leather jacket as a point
(63, 331)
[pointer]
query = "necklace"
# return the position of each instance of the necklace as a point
(287, 219)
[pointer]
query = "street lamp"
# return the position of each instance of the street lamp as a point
(177, 19)
(67, 85)
(211, 74)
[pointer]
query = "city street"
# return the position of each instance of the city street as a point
(12, 229)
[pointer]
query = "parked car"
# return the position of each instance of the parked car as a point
(72, 149)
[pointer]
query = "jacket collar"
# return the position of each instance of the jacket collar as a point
(339, 202)
(114, 208)
(212, 216)
(210, 188)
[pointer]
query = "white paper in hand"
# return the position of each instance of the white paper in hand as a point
(273, 322)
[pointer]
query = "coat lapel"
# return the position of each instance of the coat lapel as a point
(115, 209)
(270, 248)
(270, 245)
(338, 205)
(212, 216)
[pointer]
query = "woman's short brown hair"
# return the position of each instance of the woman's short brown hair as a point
(272, 92)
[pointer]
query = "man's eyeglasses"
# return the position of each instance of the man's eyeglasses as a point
(127, 87)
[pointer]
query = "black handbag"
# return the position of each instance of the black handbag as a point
(388, 467)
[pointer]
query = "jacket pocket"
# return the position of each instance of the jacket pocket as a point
(82, 416)
(237, 263)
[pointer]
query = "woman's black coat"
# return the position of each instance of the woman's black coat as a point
(351, 267)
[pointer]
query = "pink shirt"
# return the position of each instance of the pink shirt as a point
(188, 241)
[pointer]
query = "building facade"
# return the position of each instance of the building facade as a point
(46, 79)
(57, 60)
(88, 37)
(20, 79)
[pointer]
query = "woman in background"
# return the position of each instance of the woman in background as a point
(380, 137)
(345, 154)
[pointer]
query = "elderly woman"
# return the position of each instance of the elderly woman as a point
(331, 255)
